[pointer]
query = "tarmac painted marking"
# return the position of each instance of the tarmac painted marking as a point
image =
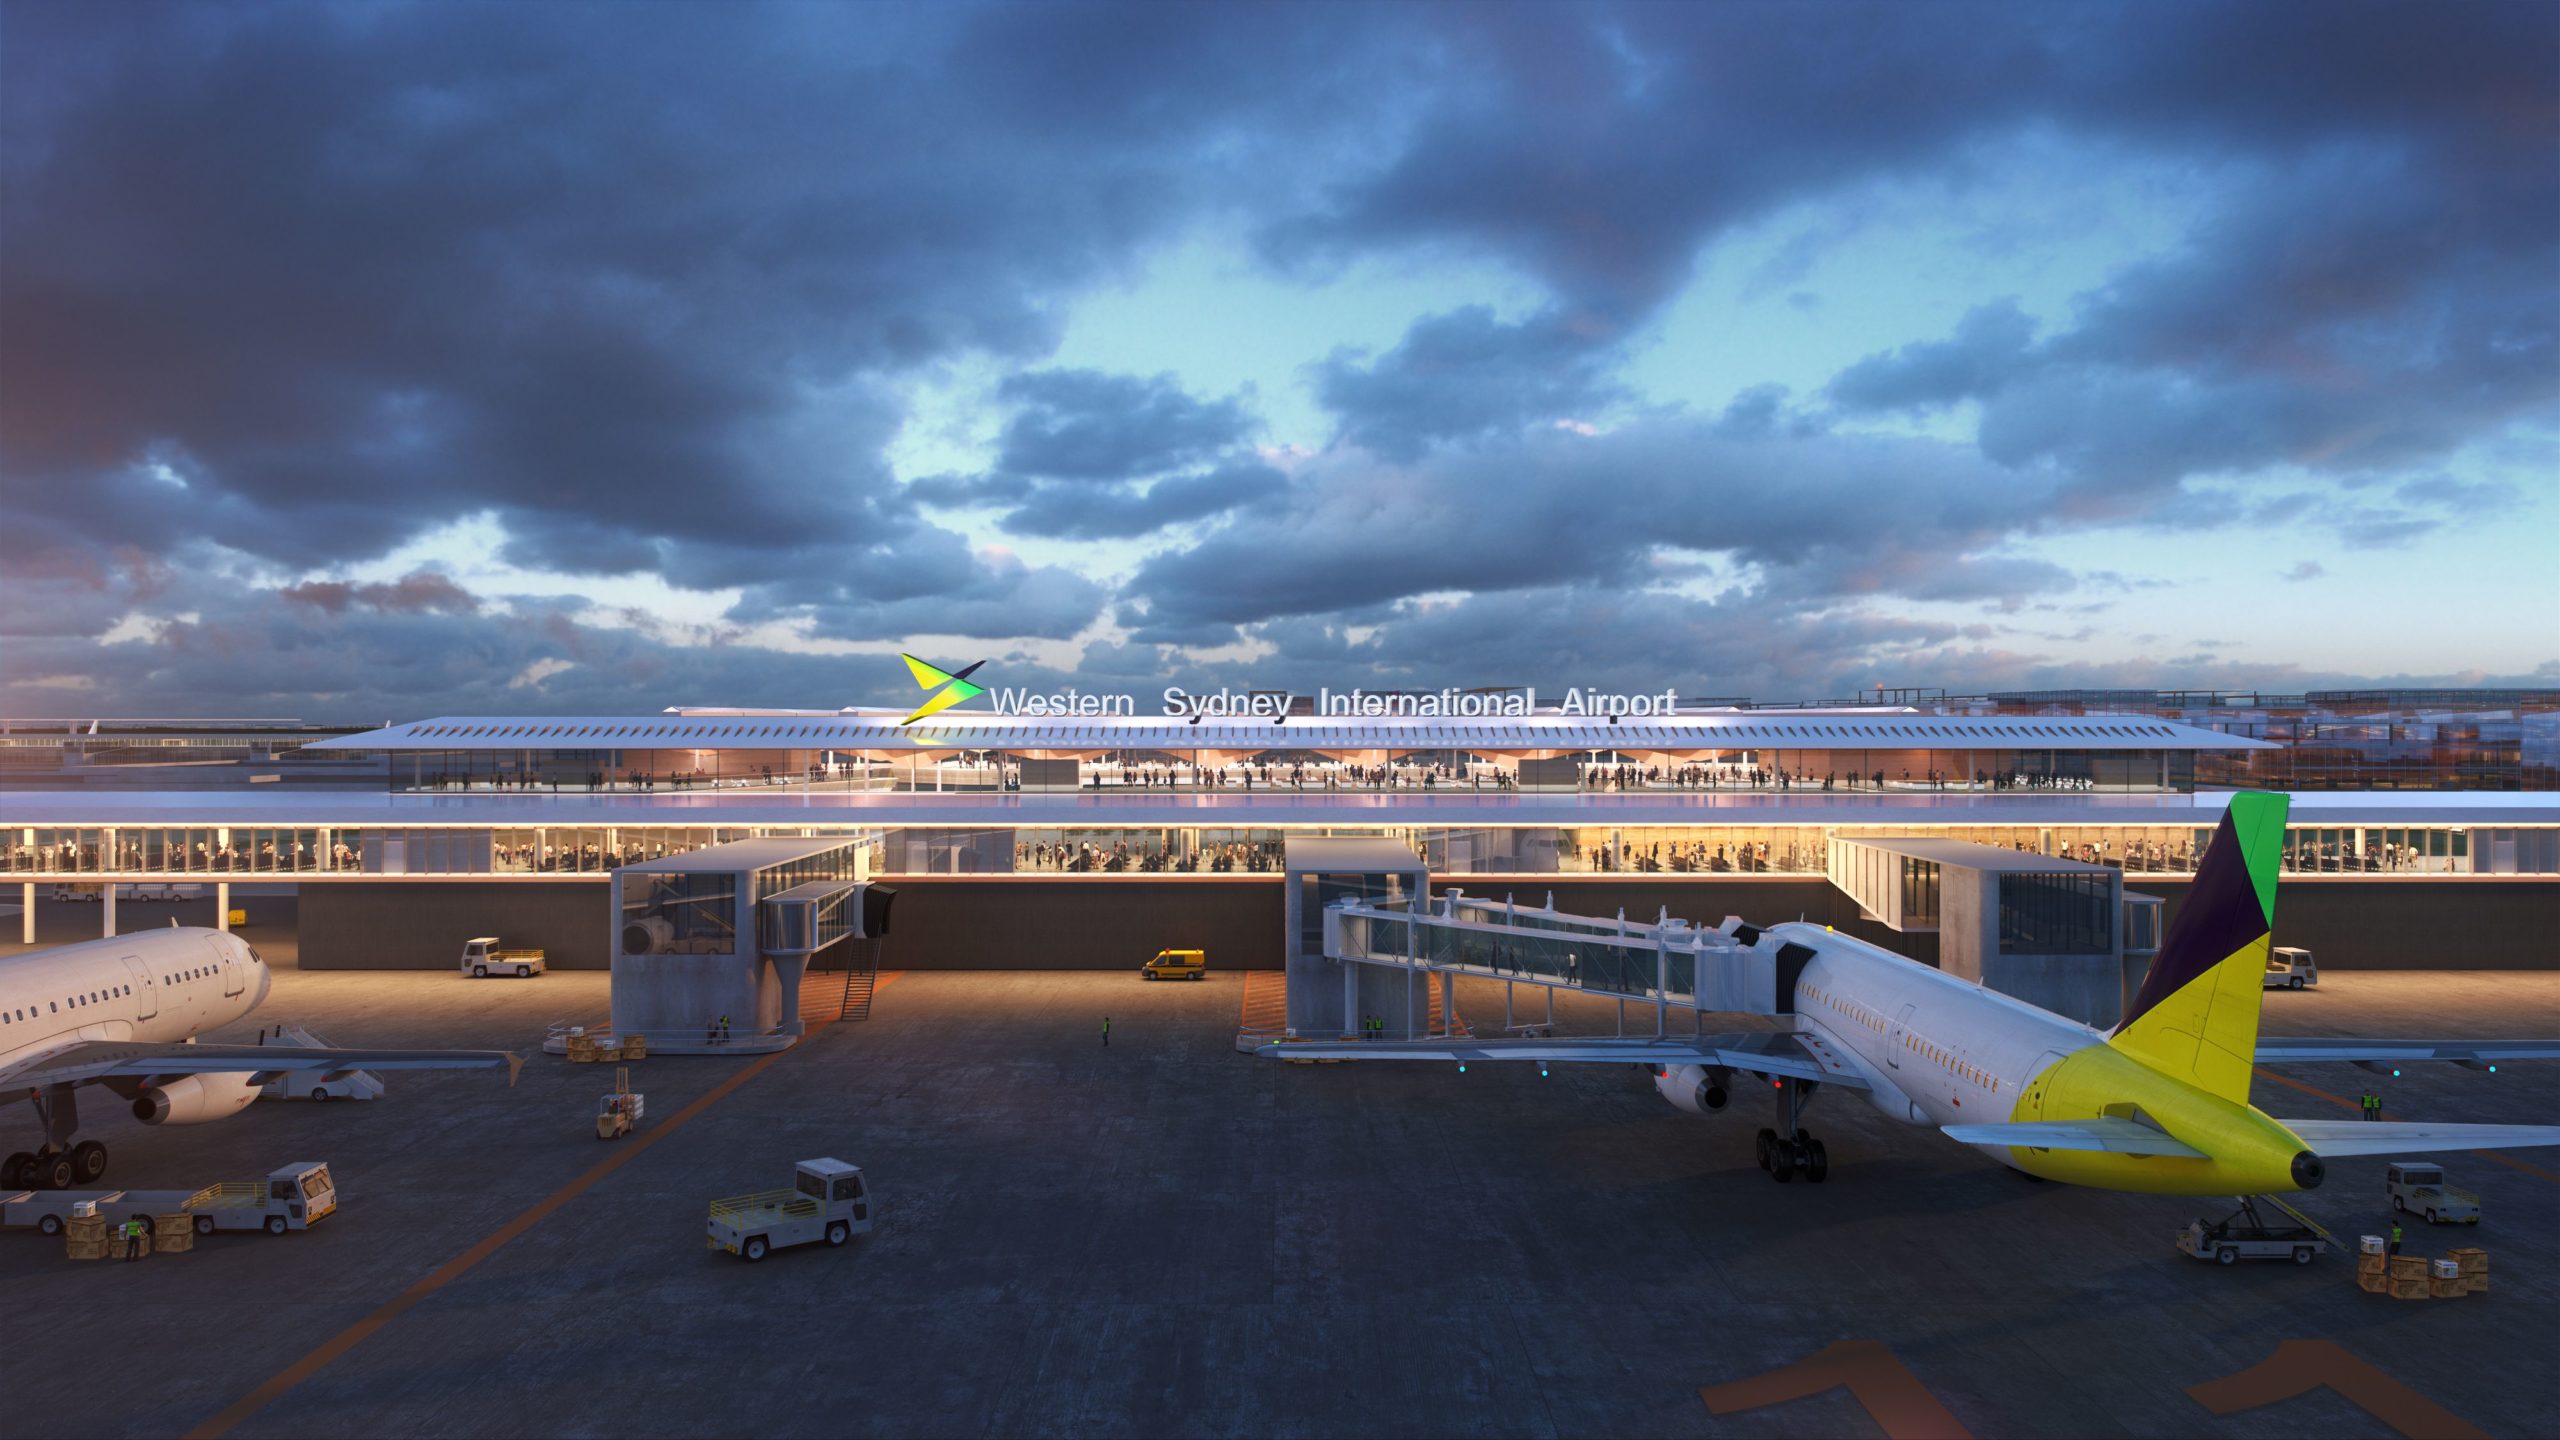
(2343, 1103)
(345, 1340)
(2301, 1366)
(1266, 1001)
(1876, 1378)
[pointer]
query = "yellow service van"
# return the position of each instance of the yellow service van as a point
(1177, 965)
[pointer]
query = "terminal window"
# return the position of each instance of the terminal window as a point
(681, 914)
(2057, 914)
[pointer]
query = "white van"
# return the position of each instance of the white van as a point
(2290, 969)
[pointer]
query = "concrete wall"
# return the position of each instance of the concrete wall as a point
(961, 923)
(395, 926)
(1007, 924)
(2400, 925)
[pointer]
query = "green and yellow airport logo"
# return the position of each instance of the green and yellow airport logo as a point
(947, 688)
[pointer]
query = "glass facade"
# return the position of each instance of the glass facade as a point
(688, 913)
(2372, 851)
(2066, 914)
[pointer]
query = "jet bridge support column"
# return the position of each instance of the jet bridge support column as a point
(27, 915)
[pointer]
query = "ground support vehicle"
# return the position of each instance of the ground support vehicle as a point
(481, 958)
(2246, 1234)
(2417, 1187)
(1177, 965)
(620, 1109)
(2289, 968)
(827, 1202)
(293, 1197)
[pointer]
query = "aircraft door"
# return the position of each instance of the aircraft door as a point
(1893, 1041)
(146, 991)
(233, 981)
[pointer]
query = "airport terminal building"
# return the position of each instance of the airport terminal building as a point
(1091, 839)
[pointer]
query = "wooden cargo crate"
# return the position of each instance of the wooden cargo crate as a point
(85, 1249)
(2370, 1265)
(2410, 1290)
(2372, 1283)
(2443, 1289)
(2407, 1267)
(2472, 1260)
(85, 1227)
(175, 1242)
(635, 1047)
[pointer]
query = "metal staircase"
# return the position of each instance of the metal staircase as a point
(861, 978)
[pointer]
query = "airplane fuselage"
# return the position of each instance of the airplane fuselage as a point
(1940, 1050)
(154, 987)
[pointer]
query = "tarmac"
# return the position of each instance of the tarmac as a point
(1166, 1237)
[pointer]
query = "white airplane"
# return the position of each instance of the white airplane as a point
(2159, 1105)
(124, 1012)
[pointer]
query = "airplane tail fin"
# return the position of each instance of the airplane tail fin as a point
(2196, 1016)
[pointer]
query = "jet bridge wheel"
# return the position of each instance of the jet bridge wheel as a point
(88, 1161)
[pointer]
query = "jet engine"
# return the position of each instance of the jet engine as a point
(194, 1100)
(1698, 1089)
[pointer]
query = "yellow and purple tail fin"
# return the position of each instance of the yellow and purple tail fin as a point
(2196, 1016)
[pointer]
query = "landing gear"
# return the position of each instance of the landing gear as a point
(1796, 1152)
(57, 1164)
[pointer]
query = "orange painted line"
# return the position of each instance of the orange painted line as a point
(1875, 1377)
(2343, 1103)
(345, 1340)
(2299, 1367)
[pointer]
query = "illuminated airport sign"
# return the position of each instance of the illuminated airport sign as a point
(949, 688)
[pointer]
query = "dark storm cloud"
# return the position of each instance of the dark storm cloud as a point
(418, 590)
(1462, 375)
(1085, 512)
(1087, 425)
(1561, 508)
(1986, 352)
(645, 284)
(617, 276)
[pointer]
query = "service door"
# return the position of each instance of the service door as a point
(146, 991)
(1893, 1041)
(233, 982)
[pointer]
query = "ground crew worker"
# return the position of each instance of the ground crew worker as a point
(1106, 1032)
(724, 1029)
(133, 1238)
(2372, 1106)
(2395, 1237)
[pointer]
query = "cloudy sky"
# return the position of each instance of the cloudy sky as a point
(374, 361)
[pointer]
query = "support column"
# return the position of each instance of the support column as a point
(1350, 996)
(107, 910)
(27, 916)
(222, 906)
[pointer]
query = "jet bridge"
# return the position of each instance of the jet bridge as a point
(1669, 964)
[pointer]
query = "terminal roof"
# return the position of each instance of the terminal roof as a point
(1810, 731)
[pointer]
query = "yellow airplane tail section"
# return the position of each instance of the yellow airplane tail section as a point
(2196, 1016)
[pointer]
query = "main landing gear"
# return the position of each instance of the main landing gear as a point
(58, 1164)
(1791, 1150)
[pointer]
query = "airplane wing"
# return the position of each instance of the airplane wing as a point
(102, 1059)
(2274, 1050)
(1792, 1054)
(2110, 1134)
(2331, 1139)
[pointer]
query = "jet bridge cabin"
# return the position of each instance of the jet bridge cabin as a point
(710, 947)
